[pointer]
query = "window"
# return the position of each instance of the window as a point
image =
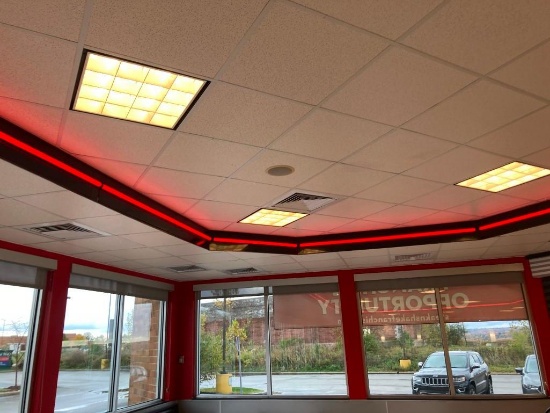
(20, 288)
(472, 332)
(112, 346)
(279, 340)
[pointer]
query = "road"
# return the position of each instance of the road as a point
(86, 391)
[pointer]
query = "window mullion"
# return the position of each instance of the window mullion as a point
(445, 342)
(267, 343)
(115, 353)
(160, 351)
(30, 350)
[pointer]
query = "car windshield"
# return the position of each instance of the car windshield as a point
(438, 361)
(531, 366)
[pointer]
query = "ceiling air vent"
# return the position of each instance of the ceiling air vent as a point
(300, 202)
(412, 257)
(66, 231)
(186, 268)
(240, 271)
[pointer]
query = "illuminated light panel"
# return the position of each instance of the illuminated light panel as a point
(507, 176)
(50, 159)
(155, 212)
(272, 218)
(255, 242)
(124, 90)
(389, 237)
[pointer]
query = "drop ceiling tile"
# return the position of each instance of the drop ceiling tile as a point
(389, 19)
(132, 265)
(397, 86)
(316, 257)
(325, 265)
(361, 225)
(535, 190)
(139, 254)
(154, 239)
(378, 252)
(212, 256)
(304, 168)
(476, 110)
(540, 158)
(398, 151)
(247, 193)
(46, 77)
(195, 36)
(461, 255)
(319, 223)
(176, 204)
(523, 137)
(21, 237)
(517, 250)
(105, 244)
(42, 121)
(353, 208)
(275, 259)
(204, 155)
(481, 244)
(284, 268)
(400, 214)
(242, 115)
(299, 54)
(62, 248)
(345, 180)
(442, 217)
(489, 205)
(58, 18)
(117, 225)
(297, 232)
(529, 72)
(16, 182)
(328, 135)
(447, 197)
(250, 228)
(452, 166)
(124, 172)
(95, 256)
(176, 183)
(512, 239)
(399, 189)
(368, 262)
(114, 139)
(225, 265)
(213, 224)
(219, 211)
(67, 205)
(183, 249)
(482, 35)
(18, 213)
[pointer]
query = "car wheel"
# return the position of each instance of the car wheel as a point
(471, 389)
(489, 386)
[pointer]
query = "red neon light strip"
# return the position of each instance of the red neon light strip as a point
(39, 154)
(155, 212)
(389, 237)
(515, 219)
(255, 242)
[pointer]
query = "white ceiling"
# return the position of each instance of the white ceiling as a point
(381, 104)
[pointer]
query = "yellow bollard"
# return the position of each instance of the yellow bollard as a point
(404, 364)
(104, 364)
(223, 383)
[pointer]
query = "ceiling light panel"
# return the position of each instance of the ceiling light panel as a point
(507, 176)
(272, 217)
(124, 90)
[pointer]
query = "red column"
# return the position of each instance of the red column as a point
(49, 340)
(351, 326)
(180, 344)
(540, 322)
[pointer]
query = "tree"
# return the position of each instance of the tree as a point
(405, 342)
(210, 352)
(456, 334)
(20, 330)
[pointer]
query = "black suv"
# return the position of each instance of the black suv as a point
(530, 380)
(471, 374)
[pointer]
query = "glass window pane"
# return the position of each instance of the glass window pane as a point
(84, 371)
(232, 346)
(307, 354)
(139, 358)
(492, 320)
(16, 305)
(401, 334)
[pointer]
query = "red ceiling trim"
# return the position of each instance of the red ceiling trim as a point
(395, 237)
(514, 220)
(50, 159)
(155, 212)
(255, 242)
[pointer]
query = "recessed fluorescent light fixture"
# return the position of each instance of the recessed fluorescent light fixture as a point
(507, 176)
(124, 90)
(272, 217)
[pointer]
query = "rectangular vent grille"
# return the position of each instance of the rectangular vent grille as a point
(187, 268)
(239, 271)
(412, 257)
(300, 202)
(540, 267)
(66, 231)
